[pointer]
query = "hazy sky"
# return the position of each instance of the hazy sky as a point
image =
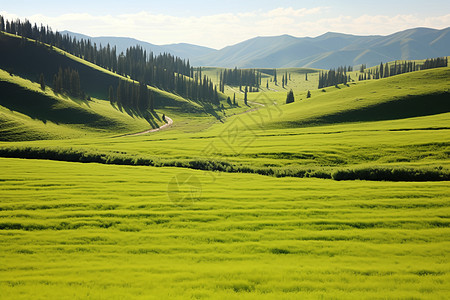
(218, 24)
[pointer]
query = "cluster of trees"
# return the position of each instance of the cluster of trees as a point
(388, 70)
(131, 94)
(284, 79)
(239, 77)
(435, 63)
(234, 103)
(333, 77)
(67, 81)
(164, 71)
(364, 76)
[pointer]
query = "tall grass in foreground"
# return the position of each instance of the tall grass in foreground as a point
(71, 230)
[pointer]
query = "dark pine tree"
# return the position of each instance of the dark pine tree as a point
(42, 81)
(290, 97)
(2, 24)
(245, 95)
(111, 94)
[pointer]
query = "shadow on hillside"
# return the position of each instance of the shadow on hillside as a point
(148, 115)
(209, 108)
(40, 107)
(79, 101)
(407, 107)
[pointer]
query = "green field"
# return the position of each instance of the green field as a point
(72, 230)
(269, 213)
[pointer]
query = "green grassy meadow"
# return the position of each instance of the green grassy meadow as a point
(71, 230)
(185, 213)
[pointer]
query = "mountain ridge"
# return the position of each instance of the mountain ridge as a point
(325, 51)
(183, 50)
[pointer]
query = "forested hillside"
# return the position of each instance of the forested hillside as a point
(164, 71)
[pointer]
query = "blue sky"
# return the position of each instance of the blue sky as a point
(218, 24)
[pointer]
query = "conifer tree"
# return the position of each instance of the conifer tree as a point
(234, 99)
(245, 95)
(151, 104)
(290, 97)
(362, 68)
(42, 81)
(308, 94)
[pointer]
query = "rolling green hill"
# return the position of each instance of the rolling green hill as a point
(354, 201)
(331, 131)
(29, 59)
(409, 95)
(28, 113)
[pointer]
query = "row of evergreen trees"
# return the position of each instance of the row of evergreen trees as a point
(239, 77)
(333, 77)
(339, 76)
(132, 95)
(66, 81)
(164, 71)
(435, 63)
(401, 67)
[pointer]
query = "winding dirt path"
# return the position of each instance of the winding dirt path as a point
(168, 124)
(170, 121)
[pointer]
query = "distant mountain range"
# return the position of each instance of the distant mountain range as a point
(182, 50)
(326, 51)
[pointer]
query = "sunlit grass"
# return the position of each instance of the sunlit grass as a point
(87, 230)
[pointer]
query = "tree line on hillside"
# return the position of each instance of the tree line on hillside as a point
(68, 81)
(333, 77)
(401, 67)
(239, 77)
(339, 75)
(132, 95)
(163, 71)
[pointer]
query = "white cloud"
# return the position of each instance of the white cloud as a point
(290, 12)
(220, 30)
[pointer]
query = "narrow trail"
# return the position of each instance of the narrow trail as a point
(170, 121)
(168, 124)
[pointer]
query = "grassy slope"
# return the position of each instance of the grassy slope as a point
(89, 230)
(297, 82)
(28, 113)
(81, 231)
(29, 59)
(408, 95)
(417, 141)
